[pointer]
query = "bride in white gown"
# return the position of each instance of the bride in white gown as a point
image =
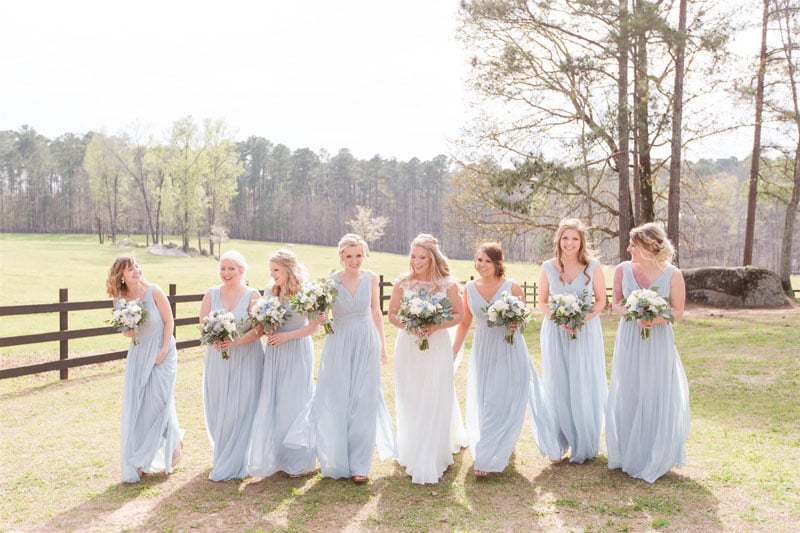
(429, 425)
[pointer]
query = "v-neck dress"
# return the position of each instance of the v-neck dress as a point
(230, 394)
(149, 432)
(287, 389)
(647, 421)
(574, 371)
(349, 412)
(501, 383)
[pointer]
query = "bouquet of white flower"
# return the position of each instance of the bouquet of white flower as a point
(505, 311)
(421, 310)
(646, 304)
(316, 298)
(268, 313)
(569, 310)
(219, 326)
(127, 315)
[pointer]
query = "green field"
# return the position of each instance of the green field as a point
(59, 453)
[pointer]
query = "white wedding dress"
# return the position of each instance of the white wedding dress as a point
(429, 425)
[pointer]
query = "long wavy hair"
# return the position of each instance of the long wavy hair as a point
(495, 253)
(440, 267)
(652, 238)
(585, 255)
(115, 285)
(295, 273)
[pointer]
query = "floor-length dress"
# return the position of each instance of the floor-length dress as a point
(501, 384)
(349, 409)
(230, 393)
(574, 371)
(647, 421)
(287, 389)
(149, 431)
(429, 426)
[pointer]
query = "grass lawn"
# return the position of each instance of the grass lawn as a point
(59, 441)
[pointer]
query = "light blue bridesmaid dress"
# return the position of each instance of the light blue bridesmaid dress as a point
(574, 371)
(149, 432)
(647, 421)
(287, 389)
(501, 383)
(349, 409)
(230, 393)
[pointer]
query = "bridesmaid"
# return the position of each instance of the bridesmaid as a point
(230, 386)
(429, 427)
(499, 379)
(574, 370)
(647, 421)
(287, 387)
(150, 436)
(349, 408)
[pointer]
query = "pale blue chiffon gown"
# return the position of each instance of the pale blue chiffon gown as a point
(501, 383)
(574, 371)
(287, 389)
(647, 422)
(349, 410)
(230, 393)
(149, 432)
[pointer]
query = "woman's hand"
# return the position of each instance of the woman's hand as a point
(161, 355)
(276, 339)
(131, 332)
(384, 357)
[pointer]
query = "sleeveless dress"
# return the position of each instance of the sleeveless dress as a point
(429, 426)
(647, 421)
(574, 372)
(287, 390)
(230, 390)
(349, 409)
(149, 432)
(501, 383)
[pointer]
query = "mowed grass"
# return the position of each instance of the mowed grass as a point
(59, 460)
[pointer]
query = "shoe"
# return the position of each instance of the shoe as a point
(360, 480)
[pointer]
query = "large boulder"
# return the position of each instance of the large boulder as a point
(734, 287)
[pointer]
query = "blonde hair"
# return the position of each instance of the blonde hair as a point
(295, 273)
(115, 285)
(351, 239)
(652, 238)
(494, 252)
(238, 259)
(585, 255)
(440, 268)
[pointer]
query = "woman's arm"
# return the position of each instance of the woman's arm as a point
(377, 315)
(277, 338)
(394, 305)
(599, 289)
(617, 295)
(162, 304)
(544, 293)
(463, 326)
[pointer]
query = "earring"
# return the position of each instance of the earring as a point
(122, 281)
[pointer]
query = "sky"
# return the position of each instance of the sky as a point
(372, 76)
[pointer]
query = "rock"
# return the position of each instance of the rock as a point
(734, 287)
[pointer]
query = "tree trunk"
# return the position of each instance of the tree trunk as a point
(752, 195)
(674, 201)
(625, 210)
(641, 126)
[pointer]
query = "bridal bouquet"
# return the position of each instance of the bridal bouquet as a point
(505, 311)
(421, 310)
(268, 313)
(569, 310)
(316, 298)
(219, 326)
(127, 315)
(646, 304)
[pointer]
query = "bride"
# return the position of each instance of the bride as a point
(429, 426)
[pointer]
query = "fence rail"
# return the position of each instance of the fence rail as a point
(64, 307)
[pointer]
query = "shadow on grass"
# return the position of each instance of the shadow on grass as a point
(590, 496)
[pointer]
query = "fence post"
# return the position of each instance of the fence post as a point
(173, 290)
(63, 325)
(380, 291)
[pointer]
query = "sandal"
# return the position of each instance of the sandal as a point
(360, 480)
